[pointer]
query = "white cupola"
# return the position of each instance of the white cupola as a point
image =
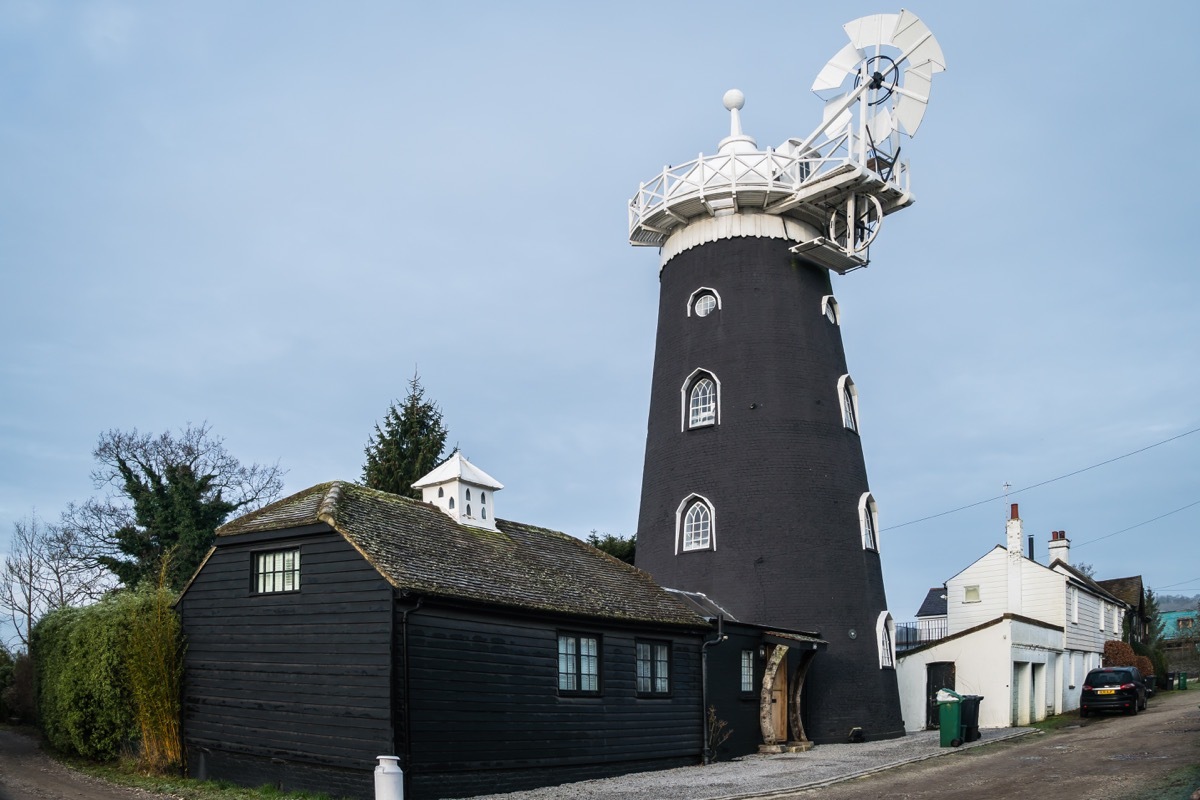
(462, 490)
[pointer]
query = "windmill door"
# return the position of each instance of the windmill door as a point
(938, 675)
(779, 701)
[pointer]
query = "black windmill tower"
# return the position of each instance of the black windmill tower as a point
(755, 489)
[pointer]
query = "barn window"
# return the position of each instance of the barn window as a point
(277, 571)
(578, 664)
(747, 671)
(653, 668)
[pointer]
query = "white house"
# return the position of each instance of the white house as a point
(1021, 634)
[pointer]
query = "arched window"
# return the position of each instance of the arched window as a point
(468, 496)
(829, 308)
(868, 521)
(452, 503)
(468, 509)
(441, 492)
(483, 512)
(884, 635)
(848, 400)
(700, 399)
(703, 302)
(483, 498)
(696, 524)
(702, 403)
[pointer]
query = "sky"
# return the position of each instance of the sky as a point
(268, 216)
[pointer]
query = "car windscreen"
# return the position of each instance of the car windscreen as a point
(1109, 678)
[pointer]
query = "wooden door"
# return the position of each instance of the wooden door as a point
(779, 700)
(938, 675)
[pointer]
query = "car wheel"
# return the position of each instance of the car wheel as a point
(1144, 702)
(1133, 709)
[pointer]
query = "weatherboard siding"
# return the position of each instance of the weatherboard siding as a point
(291, 688)
(487, 713)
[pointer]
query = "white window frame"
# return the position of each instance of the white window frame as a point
(685, 397)
(1073, 599)
(868, 522)
(828, 302)
(847, 391)
(277, 571)
(681, 520)
(885, 639)
(1103, 614)
(967, 594)
(746, 679)
(694, 296)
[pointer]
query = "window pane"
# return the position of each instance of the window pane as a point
(697, 527)
(703, 403)
(566, 663)
(589, 665)
(662, 669)
(643, 667)
(848, 408)
(705, 303)
(747, 670)
(278, 571)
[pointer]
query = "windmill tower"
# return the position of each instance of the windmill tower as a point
(754, 489)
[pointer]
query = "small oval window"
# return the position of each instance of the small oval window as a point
(705, 304)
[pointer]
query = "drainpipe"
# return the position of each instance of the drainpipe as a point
(704, 684)
(407, 691)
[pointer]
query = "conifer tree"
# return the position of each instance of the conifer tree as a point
(408, 446)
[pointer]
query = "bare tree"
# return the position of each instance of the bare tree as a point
(165, 494)
(45, 570)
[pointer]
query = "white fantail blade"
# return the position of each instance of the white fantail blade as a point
(912, 98)
(833, 75)
(871, 31)
(843, 116)
(881, 125)
(913, 37)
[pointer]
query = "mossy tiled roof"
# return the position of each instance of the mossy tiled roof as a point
(418, 548)
(1128, 589)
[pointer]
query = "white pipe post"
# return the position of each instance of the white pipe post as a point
(389, 779)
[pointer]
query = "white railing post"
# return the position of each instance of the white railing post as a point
(389, 779)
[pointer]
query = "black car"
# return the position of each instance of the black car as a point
(1113, 689)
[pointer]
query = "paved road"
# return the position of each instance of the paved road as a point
(1153, 755)
(26, 773)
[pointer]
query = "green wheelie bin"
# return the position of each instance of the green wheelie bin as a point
(950, 722)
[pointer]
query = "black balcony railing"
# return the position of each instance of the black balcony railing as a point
(915, 634)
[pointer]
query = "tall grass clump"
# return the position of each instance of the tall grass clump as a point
(154, 664)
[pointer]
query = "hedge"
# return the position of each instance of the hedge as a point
(108, 673)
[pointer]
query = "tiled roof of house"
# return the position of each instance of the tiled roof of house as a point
(1084, 579)
(1128, 589)
(418, 548)
(934, 604)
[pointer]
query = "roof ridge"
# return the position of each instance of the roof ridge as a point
(327, 509)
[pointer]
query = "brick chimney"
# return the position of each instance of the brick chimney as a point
(1060, 547)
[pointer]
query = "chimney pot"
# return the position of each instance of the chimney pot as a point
(1014, 512)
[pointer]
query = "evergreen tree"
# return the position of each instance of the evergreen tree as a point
(616, 546)
(408, 446)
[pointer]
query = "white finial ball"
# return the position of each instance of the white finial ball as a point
(734, 99)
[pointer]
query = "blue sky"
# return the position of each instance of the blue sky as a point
(267, 215)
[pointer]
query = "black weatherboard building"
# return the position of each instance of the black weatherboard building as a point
(343, 623)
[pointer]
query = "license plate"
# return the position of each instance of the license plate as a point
(1106, 691)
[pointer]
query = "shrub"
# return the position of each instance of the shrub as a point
(1144, 665)
(1118, 654)
(83, 697)
(16, 698)
(154, 662)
